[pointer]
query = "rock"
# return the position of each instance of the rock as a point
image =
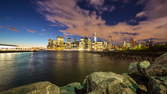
(153, 76)
(109, 83)
(133, 67)
(144, 64)
(137, 71)
(35, 88)
(157, 76)
(162, 58)
(71, 88)
(138, 68)
(119, 91)
(142, 89)
(159, 67)
(157, 85)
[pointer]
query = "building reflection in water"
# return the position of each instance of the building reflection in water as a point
(7, 69)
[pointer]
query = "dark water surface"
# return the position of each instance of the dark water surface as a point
(59, 68)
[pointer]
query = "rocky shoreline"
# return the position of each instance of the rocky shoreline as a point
(143, 78)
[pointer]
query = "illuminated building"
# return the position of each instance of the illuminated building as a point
(69, 43)
(126, 45)
(60, 41)
(89, 45)
(110, 43)
(133, 43)
(105, 45)
(138, 46)
(56, 44)
(85, 44)
(149, 43)
(99, 46)
(75, 44)
(50, 44)
(82, 44)
(109, 46)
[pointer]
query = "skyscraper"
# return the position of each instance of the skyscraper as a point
(68, 43)
(95, 38)
(58, 44)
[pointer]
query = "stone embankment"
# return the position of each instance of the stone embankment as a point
(143, 78)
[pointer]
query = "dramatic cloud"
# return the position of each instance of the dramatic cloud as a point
(85, 23)
(154, 8)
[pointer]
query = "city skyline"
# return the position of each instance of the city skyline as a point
(32, 23)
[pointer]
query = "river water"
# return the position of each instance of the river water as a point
(59, 67)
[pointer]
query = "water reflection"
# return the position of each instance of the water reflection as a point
(7, 69)
(58, 67)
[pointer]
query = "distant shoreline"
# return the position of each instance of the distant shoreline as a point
(104, 53)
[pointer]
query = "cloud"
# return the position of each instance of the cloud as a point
(13, 29)
(96, 2)
(1, 26)
(127, 33)
(154, 8)
(109, 8)
(31, 31)
(66, 34)
(10, 28)
(68, 13)
(140, 14)
(149, 29)
(85, 23)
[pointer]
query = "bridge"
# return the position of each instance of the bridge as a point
(16, 48)
(5, 46)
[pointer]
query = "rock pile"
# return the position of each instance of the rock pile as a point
(152, 76)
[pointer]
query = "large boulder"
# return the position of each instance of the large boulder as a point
(109, 83)
(157, 75)
(35, 88)
(138, 68)
(159, 67)
(72, 88)
(133, 68)
(162, 58)
(157, 85)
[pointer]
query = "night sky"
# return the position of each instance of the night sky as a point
(33, 22)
